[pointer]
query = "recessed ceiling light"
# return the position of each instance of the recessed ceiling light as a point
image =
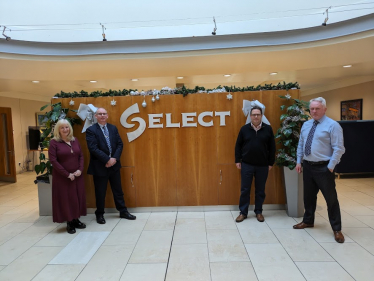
(93, 81)
(273, 73)
(348, 65)
(35, 81)
(180, 77)
(227, 75)
(134, 79)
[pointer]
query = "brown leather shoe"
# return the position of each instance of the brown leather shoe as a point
(302, 225)
(241, 218)
(260, 217)
(339, 237)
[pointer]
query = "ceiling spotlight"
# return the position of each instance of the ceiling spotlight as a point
(103, 32)
(327, 16)
(348, 65)
(7, 38)
(35, 81)
(135, 79)
(227, 75)
(93, 81)
(273, 73)
(180, 77)
(215, 27)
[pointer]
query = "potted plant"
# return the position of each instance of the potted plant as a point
(45, 168)
(297, 112)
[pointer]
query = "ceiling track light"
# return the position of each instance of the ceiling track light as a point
(103, 27)
(273, 73)
(348, 65)
(327, 16)
(135, 80)
(93, 81)
(7, 38)
(227, 75)
(215, 27)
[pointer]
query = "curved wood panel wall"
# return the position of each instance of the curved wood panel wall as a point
(186, 166)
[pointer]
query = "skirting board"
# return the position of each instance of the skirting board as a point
(190, 208)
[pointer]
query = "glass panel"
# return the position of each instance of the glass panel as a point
(5, 134)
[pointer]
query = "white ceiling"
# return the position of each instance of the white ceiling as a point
(317, 66)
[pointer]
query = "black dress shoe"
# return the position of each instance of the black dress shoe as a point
(78, 224)
(70, 227)
(127, 215)
(100, 219)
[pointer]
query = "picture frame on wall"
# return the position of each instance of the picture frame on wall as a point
(351, 110)
(39, 119)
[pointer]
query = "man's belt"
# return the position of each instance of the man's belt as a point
(317, 163)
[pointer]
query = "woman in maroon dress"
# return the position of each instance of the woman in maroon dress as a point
(68, 193)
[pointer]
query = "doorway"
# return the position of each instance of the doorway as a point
(7, 159)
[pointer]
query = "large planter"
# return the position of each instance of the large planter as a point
(293, 182)
(45, 197)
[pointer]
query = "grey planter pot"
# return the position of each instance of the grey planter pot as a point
(293, 183)
(45, 198)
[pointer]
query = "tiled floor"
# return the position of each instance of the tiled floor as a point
(186, 245)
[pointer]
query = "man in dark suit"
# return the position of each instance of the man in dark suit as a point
(105, 146)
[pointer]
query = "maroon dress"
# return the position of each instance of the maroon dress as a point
(68, 197)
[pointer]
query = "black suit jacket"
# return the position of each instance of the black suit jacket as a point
(99, 150)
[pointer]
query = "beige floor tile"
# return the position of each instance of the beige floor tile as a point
(359, 197)
(347, 219)
(255, 232)
(4, 209)
(5, 219)
(152, 247)
(219, 220)
(16, 246)
(323, 271)
(161, 221)
(298, 242)
(24, 208)
(223, 271)
(126, 232)
(107, 264)
(111, 221)
(190, 231)
(191, 215)
(358, 211)
(29, 264)
(12, 229)
(368, 220)
(225, 245)
(141, 272)
(141, 216)
(271, 262)
(44, 225)
(60, 272)
(32, 216)
(58, 237)
(363, 236)
(358, 262)
(188, 263)
(278, 219)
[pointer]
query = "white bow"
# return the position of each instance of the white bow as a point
(247, 106)
(87, 112)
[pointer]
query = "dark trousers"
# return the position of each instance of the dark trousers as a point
(248, 172)
(319, 177)
(101, 184)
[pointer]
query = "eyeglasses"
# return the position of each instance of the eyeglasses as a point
(256, 115)
(101, 114)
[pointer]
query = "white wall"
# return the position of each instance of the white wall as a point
(145, 19)
(23, 116)
(333, 98)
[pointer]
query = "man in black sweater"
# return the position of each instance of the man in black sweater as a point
(255, 156)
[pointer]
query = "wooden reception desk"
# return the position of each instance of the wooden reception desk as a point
(183, 166)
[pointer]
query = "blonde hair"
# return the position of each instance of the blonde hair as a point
(56, 130)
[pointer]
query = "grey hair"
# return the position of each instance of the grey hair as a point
(319, 99)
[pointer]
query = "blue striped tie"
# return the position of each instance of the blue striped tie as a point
(308, 144)
(106, 135)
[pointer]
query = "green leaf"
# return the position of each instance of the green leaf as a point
(44, 107)
(42, 156)
(283, 116)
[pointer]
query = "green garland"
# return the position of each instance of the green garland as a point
(181, 91)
